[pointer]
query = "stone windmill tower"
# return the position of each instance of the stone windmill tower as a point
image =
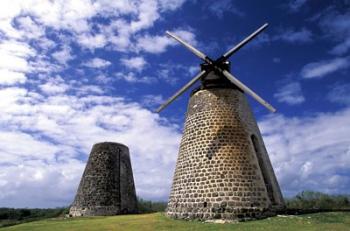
(107, 185)
(223, 170)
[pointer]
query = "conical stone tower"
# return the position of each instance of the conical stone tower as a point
(107, 185)
(223, 170)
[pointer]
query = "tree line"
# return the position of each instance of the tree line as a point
(310, 200)
(147, 206)
(12, 216)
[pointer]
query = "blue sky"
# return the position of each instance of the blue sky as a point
(73, 73)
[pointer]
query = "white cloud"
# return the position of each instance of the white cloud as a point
(340, 93)
(15, 48)
(158, 44)
(276, 60)
(54, 86)
(10, 95)
(290, 93)
(14, 63)
(101, 78)
(171, 73)
(341, 48)
(38, 148)
(166, 73)
(147, 15)
(335, 25)
(92, 41)
(137, 63)
(308, 153)
(42, 64)
(52, 134)
(50, 88)
(295, 5)
(153, 44)
(31, 18)
(29, 28)
(131, 77)
(294, 36)
(187, 35)
(38, 174)
(218, 8)
(11, 77)
(64, 55)
(97, 63)
(170, 4)
(194, 69)
(18, 59)
(55, 120)
(287, 35)
(324, 67)
(120, 34)
(89, 89)
(14, 55)
(27, 48)
(152, 100)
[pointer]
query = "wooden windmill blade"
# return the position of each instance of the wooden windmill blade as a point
(194, 50)
(230, 52)
(181, 91)
(248, 90)
(216, 65)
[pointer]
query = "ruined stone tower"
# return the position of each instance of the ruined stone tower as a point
(107, 185)
(223, 170)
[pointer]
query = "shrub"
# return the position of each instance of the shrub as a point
(147, 206)
(318, 200)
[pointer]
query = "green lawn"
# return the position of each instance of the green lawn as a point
(157, 221)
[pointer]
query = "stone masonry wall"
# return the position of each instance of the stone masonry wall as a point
(219, 173)
(107, 185)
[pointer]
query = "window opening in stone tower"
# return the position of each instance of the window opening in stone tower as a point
(263, 168)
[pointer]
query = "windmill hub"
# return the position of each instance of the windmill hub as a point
(214, 78)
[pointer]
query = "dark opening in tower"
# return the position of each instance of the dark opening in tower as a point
(263, 168)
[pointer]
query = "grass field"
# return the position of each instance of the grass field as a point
(157, 221)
